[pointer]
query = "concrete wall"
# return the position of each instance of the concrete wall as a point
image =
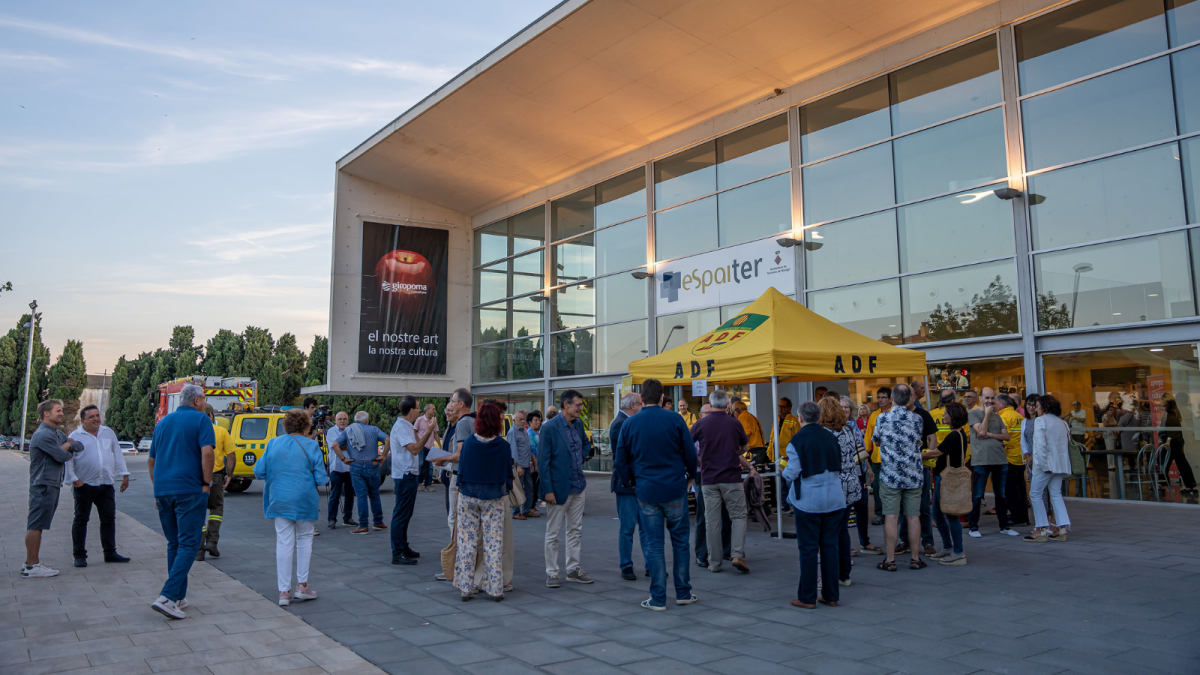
(356, 201)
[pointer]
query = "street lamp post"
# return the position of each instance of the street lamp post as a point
(33, 315)
(668, 340)
(1079, 268)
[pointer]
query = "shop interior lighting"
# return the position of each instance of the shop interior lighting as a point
(1156, 349)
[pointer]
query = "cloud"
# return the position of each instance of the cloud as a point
(29, 60)
(253, 64)
(273, 241)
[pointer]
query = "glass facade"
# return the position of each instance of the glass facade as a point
(1092, 111)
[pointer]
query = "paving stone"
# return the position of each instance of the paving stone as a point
(614, 653)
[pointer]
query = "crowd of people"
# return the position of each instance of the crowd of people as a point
(925, 469)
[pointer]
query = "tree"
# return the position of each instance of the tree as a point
(317, 362)
(993, 312)
(271, 383)
(6, 286)
(68, 379)
(1051, 315)
(185, 355)
(14, 348)
(259, 347)
(122, 384)
(223, 355)
(291, 362)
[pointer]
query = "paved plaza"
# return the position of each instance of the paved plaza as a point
(1119, 597)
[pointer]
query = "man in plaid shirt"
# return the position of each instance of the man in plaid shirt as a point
(898, 435)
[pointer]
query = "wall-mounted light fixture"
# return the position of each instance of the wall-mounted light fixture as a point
(1007, 193)
(642, 274)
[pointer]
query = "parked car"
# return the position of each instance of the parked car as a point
(144, 444)
(127, 447)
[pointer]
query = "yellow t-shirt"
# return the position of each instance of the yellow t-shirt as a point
(688, 418)
(1012, 447)
(753, 431)
(788, 426)
(874, 449)
(943, 430)
(223, 447)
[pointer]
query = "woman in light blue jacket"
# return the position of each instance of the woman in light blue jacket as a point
(292, 467)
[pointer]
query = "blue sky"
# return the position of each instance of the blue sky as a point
(166, 164)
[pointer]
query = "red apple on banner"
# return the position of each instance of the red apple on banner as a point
(405, 281)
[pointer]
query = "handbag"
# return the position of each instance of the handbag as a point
(449, 554)
(955, 496)
(516, 495)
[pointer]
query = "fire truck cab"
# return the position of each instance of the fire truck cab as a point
(222, 393)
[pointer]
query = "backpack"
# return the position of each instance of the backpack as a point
(955, 496)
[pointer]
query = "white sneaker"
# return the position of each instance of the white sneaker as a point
(686, 601)
(285, 598)
(440, 576)
(183, 603)
(1010, 532)
(305, 592)
(975, 533)
(37, 571)
(167, 608)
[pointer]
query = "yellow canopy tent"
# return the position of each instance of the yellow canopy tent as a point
(776, 339)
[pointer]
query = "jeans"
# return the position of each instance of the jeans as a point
(341, 489)
(182, 518)
(426, 471)
(729, 499)
(861, 521)
(1014, 494)
(293, 539)
(1037, 489)
(104, 497)
(627, 513)
(817, 534)
(950, 527)
(406, 498)
(980, 474)
(702, 530)
(366, 487)
(875, 469)
(530, 495)
(844, 563)
(673, 516)
(926, 519)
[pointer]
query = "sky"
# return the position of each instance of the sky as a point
(168, 164)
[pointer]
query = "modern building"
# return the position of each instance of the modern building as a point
(1012, 187)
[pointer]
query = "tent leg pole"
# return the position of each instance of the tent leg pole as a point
(779, 453)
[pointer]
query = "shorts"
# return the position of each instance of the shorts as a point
(43, 502)
(897, 500)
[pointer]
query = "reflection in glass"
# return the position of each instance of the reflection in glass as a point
(573, 214)
(491, 242)
(527, 273)
(491, 283)
(1112, 112)
(491, 363)
(619, 344)
(619, 297)
(572, 352)
(621, 247)
(953, 230)
(491, 323)
(686, 175)
(574, 306)
(599, 408)
(848, 185)
(870, 309)
(1127, 194)
(526, 358)
(574, 259)
(1087, 37)
(947, 85)
(1143, 279)
(621, 198)
(851, 250)
(846, 120)
(686, 230)
(951, 157)
(691, 325)
(528, 230)
(515, 318)
(1185, 66)
(1183, 21)
(754, 211)
(1191, 177)
(966, 302)
(1194, 238)
(756, 151)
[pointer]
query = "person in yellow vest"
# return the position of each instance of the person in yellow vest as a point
(883, 398)
(788, 426)
(1015, 489)
(224, 462)
(689, 418)
(758, 444)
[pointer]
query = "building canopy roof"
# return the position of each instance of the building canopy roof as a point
(593, 79)
(778, 337)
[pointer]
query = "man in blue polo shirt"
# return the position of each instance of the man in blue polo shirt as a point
(181, 467)
(656, 455)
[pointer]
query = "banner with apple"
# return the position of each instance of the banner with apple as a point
(403, 324)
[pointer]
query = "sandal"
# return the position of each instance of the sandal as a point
(887, 566)
(872, 549)
(917, 564)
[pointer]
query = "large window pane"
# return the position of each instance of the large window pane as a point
(621, 198)
(855, 183)
(952, 230)
(851, 250)
(529, 230)
(846, 120)
(679, 329)
(951, 157)
(491, 283)
(573, 214)
(756, 151)
(573, 352)
(1120, 110)
(526, 357)
(574, 259)
(527, 273)
(574, 307)
(1185, 66)
(1087, 37)
(491, 363)
(621, 247)
(1127, 194)
(966, 302)
(944, 86)
(619, 297)
(871, 309)
(1136, 280)
(491, 242)
(1191, 177)
(1183, 21)
(505, 361)
(491, 323)
(1194, 238)
(687, 175)
(754, 211)
(686, 230)
(618, 345)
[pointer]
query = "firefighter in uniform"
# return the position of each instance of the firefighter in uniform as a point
(223, 463)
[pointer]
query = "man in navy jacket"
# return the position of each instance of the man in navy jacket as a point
(656, 455)
(563, 447)
(627, 503)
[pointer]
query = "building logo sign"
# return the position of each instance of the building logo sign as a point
(728, 333)
(736, 274)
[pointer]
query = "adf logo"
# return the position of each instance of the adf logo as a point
(728, 333)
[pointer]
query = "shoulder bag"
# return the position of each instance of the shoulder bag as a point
(955, 496)
(516, 495)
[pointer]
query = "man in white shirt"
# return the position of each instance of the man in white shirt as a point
(406, 465)
(92, 473)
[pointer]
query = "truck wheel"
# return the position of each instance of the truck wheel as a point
(239, 484)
